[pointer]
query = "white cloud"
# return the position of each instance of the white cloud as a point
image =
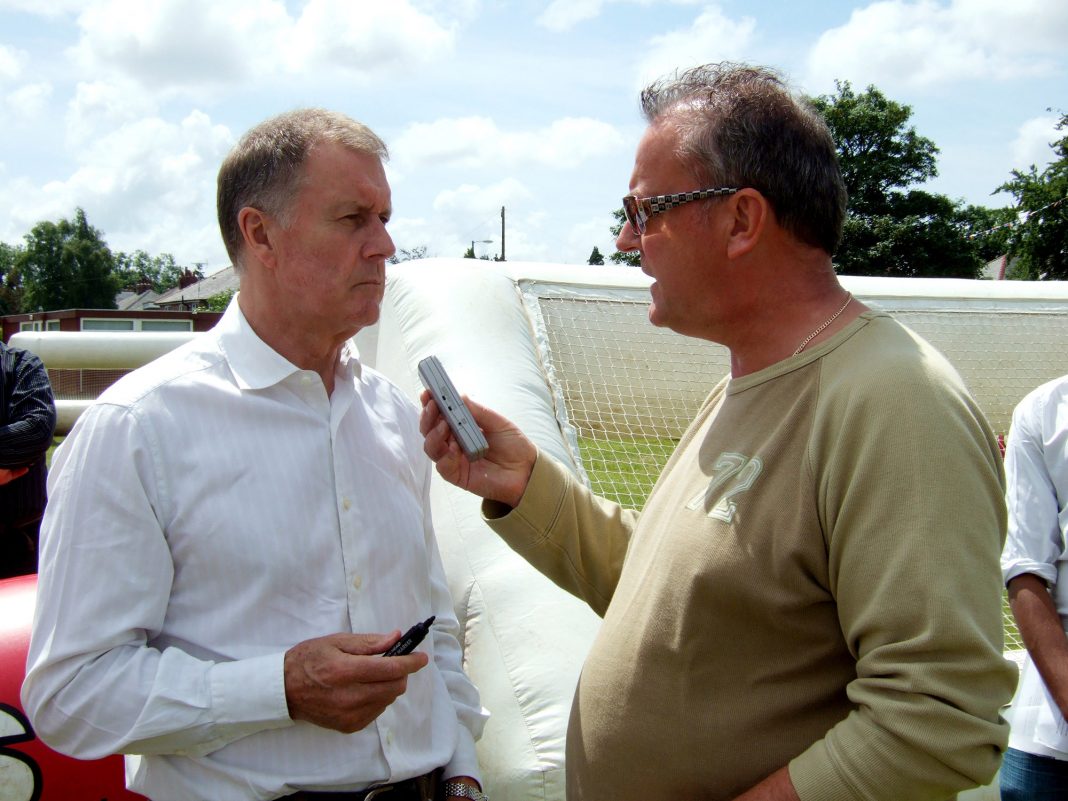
(194, 43)
(713, 36)
(29, 101)
(53, 8)
(367, 38)
(178, 42)
(581, 237)
(10, 63)
(147, 184)
(477, 141)
(926, 42)
(470, 202)
(1032, 143)
(472, 213)
(562, 15)
(100, 107)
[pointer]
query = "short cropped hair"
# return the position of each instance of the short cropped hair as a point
(740, 126)
(263, 170)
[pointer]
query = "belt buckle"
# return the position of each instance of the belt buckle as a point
(376, 792)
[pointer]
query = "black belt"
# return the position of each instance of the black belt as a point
(421, 788)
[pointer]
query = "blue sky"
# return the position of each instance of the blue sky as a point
(126, 107)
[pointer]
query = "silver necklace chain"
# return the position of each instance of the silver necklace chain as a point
(827, 322)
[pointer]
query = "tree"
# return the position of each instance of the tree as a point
(10, 280)
(595, 256)
(633, 258)
(1038, 240)
(67, 265)
(407, 254)
(138, 271)
(219, 301)
(892, 228)
(921, 235)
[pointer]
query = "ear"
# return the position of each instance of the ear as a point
(257, 230)
(751, 214)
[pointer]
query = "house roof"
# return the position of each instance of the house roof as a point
(134, 301)
(222, 281)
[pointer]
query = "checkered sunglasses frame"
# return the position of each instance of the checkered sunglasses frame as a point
(638, 210)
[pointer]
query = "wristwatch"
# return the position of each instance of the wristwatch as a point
(461, 790)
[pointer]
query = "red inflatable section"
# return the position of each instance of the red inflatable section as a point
(30, 770)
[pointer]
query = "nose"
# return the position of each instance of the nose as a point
(380, 244)
(628, 239)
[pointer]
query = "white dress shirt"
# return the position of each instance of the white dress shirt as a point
(1036, 473)
(211, 510)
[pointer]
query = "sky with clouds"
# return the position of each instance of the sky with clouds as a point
(126, 107)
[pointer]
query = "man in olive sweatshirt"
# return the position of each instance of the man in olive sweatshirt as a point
(808, 606)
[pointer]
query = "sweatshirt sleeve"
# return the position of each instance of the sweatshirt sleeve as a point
(910, 489)
(575, 538)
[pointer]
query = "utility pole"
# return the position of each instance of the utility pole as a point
(502, 233)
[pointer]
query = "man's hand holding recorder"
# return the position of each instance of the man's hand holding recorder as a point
(502, 473)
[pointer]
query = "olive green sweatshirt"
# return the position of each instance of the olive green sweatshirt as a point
(813, 582)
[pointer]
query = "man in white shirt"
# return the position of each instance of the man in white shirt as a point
(1035, 568)
(239, 530)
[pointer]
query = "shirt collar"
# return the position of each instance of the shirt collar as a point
(255, 364)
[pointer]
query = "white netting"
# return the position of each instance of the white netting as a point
(81, 384)
(630, 389)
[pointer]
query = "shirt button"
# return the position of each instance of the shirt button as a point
(306, 380)
(347, 504)
(357, 582)
(389, 737)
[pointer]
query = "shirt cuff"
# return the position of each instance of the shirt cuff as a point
(1017, 567)
(464, 760)
(814, 779)
(250, 690)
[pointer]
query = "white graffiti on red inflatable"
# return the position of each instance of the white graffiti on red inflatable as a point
(20, 777)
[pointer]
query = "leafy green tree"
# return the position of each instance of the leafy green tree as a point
(891, 227)
(138, 271)
(988, 228)
(595, 256)
(878, 152)
(219, 301)
(67, 265)
(618, 257)
(10, 280)
(470, 254)
(1038, 241)
(418, 252)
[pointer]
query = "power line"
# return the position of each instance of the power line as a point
(1023, 217)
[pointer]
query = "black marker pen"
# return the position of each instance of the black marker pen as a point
(412, 637)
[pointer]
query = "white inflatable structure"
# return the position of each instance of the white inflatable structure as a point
(567, 353)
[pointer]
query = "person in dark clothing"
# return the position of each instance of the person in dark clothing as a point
(27, 422)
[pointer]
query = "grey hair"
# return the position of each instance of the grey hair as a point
(741, 126)
(264, 169)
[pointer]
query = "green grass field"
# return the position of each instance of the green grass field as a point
(624, 470)
(55, 444)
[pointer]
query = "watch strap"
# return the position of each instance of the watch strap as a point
(461, 790)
